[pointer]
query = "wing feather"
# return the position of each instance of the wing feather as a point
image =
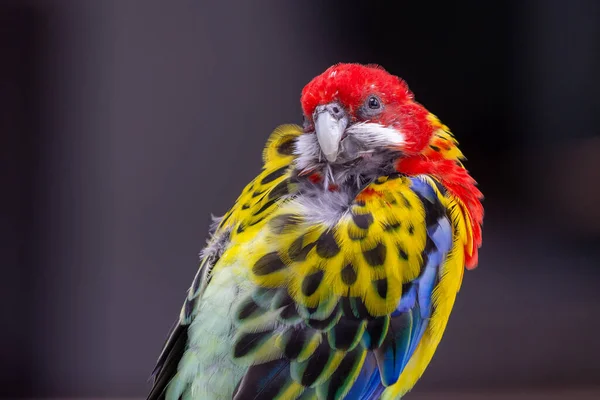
(361, 292)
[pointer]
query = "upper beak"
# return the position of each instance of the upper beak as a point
(330, 123)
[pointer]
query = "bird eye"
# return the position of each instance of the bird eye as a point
(373, 103)
(371, 108)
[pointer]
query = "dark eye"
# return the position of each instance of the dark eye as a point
(371, 108)
(373, 103)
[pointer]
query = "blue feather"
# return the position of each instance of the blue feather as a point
(407, 302)
(424, 189)
(393, 351)
(374, 388)
(441, 235)
(368, 376)
(411, 316)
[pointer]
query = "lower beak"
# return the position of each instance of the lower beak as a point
(329, 131)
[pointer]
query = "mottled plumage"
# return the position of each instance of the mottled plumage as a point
(331, 279)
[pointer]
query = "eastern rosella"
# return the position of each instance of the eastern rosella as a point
(334, 274)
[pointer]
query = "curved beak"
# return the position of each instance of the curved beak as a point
(330, 123)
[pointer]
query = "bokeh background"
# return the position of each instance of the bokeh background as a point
(125, 123)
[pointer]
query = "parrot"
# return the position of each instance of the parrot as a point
(334, 274)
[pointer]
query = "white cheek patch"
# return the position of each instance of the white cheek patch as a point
(373, 134)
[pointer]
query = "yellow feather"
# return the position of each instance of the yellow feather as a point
(292, 391)
(267, 351)
(334, 362)
(279, 146)
(312, 345)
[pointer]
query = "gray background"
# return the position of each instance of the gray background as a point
(126, 123)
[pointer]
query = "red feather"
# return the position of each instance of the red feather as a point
(457, 180)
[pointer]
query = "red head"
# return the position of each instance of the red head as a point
(357, 89)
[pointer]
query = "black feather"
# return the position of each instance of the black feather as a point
(263, 381)
(166, 366)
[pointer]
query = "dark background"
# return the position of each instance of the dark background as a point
(125, 123)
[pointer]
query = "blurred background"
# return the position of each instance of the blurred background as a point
(125, 123)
